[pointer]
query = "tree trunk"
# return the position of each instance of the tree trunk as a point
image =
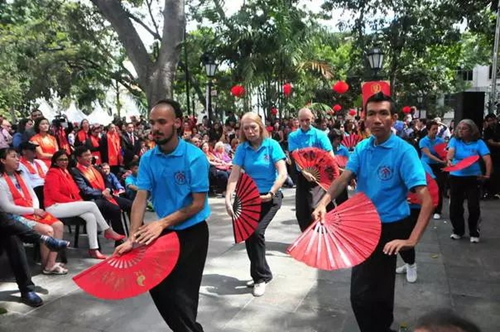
(155, 78)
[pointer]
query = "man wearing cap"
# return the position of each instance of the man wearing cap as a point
(33, 170)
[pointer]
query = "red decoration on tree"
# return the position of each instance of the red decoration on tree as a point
(287, 89)
(238, 91)
(353, 112)
(337, 107)
(340, 87)
(274, 111)
(407, 110)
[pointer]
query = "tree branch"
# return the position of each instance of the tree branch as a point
(148, 2)
(156, 35)
(114, 12)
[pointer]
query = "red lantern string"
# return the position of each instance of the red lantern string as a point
(340, 87)
(407, 110)
(353, 112)
(337, 107)
(274, 111)
(287, 89)
(238, 91)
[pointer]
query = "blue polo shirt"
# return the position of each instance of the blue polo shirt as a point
(130, 180)
(385, 173)
(306, 139)
(173, 178)
(260, 164)
(428, 143)
(464, 150)
(341, 151)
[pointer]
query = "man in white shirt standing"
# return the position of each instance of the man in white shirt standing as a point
(32, 169)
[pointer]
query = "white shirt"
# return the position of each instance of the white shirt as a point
(33, 180)
(7, 201)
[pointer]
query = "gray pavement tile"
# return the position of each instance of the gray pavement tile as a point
(483, 312)
(327, 295)
(480, 289)
(23, 323)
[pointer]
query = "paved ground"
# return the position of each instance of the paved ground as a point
(452, 274)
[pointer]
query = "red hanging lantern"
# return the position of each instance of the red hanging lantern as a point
(238, 91)
(337, 107)
(274, 111)
(353, 112)
(407, 110)
(287, 89)
(340, 87)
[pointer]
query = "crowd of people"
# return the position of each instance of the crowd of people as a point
(51, 171)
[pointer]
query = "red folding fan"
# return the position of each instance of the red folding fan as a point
(319, 163)
(246, 207)
(433, 191)
(342, 160)
(351, 141)
(348, 236)
(133, 273)
(441, 150)
(464, 163)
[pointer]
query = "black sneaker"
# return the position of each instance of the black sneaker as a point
(31, 299)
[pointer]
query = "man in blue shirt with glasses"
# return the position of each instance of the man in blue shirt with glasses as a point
(386, 168)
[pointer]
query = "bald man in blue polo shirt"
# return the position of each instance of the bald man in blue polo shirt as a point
(386, 168)
(175, 173)
(308, 193)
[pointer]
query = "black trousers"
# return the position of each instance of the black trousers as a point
(11, 233)
(408, 256)
(177, 296)
(39, 194)
(256, 243)
(113, 212)
(464, 188)
(373, 281)
(307, 196)
(441, 182)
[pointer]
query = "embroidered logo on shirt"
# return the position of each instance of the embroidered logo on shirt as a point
(384, 173)
(180, 178)
(266, 157)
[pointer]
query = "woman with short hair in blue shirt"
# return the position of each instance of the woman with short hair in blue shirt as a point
(263, 159)
(464, 183)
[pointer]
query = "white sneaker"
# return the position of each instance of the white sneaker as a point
(455, 236)
(474, 239)
(259, 289)
(436, 216)
(401, 269)
(250, 284)
(411, 273)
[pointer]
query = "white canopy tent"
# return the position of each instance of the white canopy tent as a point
(74, 114)
(47, 110)
(99, 116)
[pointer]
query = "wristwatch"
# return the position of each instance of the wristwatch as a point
(271, 193)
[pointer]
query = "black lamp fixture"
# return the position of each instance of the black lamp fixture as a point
(376, 59)
(210, 68)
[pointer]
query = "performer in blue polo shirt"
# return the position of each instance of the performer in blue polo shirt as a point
(464, 183)
(175, 173)
(431, 158)
(335, 136)
(263, 159)
(308, 193)
(386, 168)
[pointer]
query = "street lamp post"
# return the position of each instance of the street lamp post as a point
(210, 68)
(420, 99)
(376, 60)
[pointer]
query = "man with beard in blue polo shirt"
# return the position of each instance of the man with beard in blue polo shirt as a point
(386, 168)
(175, 173)
(308, 193)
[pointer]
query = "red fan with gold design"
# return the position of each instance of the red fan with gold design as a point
(319, 163)
(342, 160)
(433, 191)
(351, 141)
(133, 273)
(246, 207)
(462, 164)
(347, 237)
(441, 150)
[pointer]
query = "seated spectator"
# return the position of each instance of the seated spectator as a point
(93, 186)
(18, 198)
(131, 180)
(220, 154)
(113, 182)
(33, 170)
(63, 200)
(17, 139)
(46, 143)
(219, 173)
